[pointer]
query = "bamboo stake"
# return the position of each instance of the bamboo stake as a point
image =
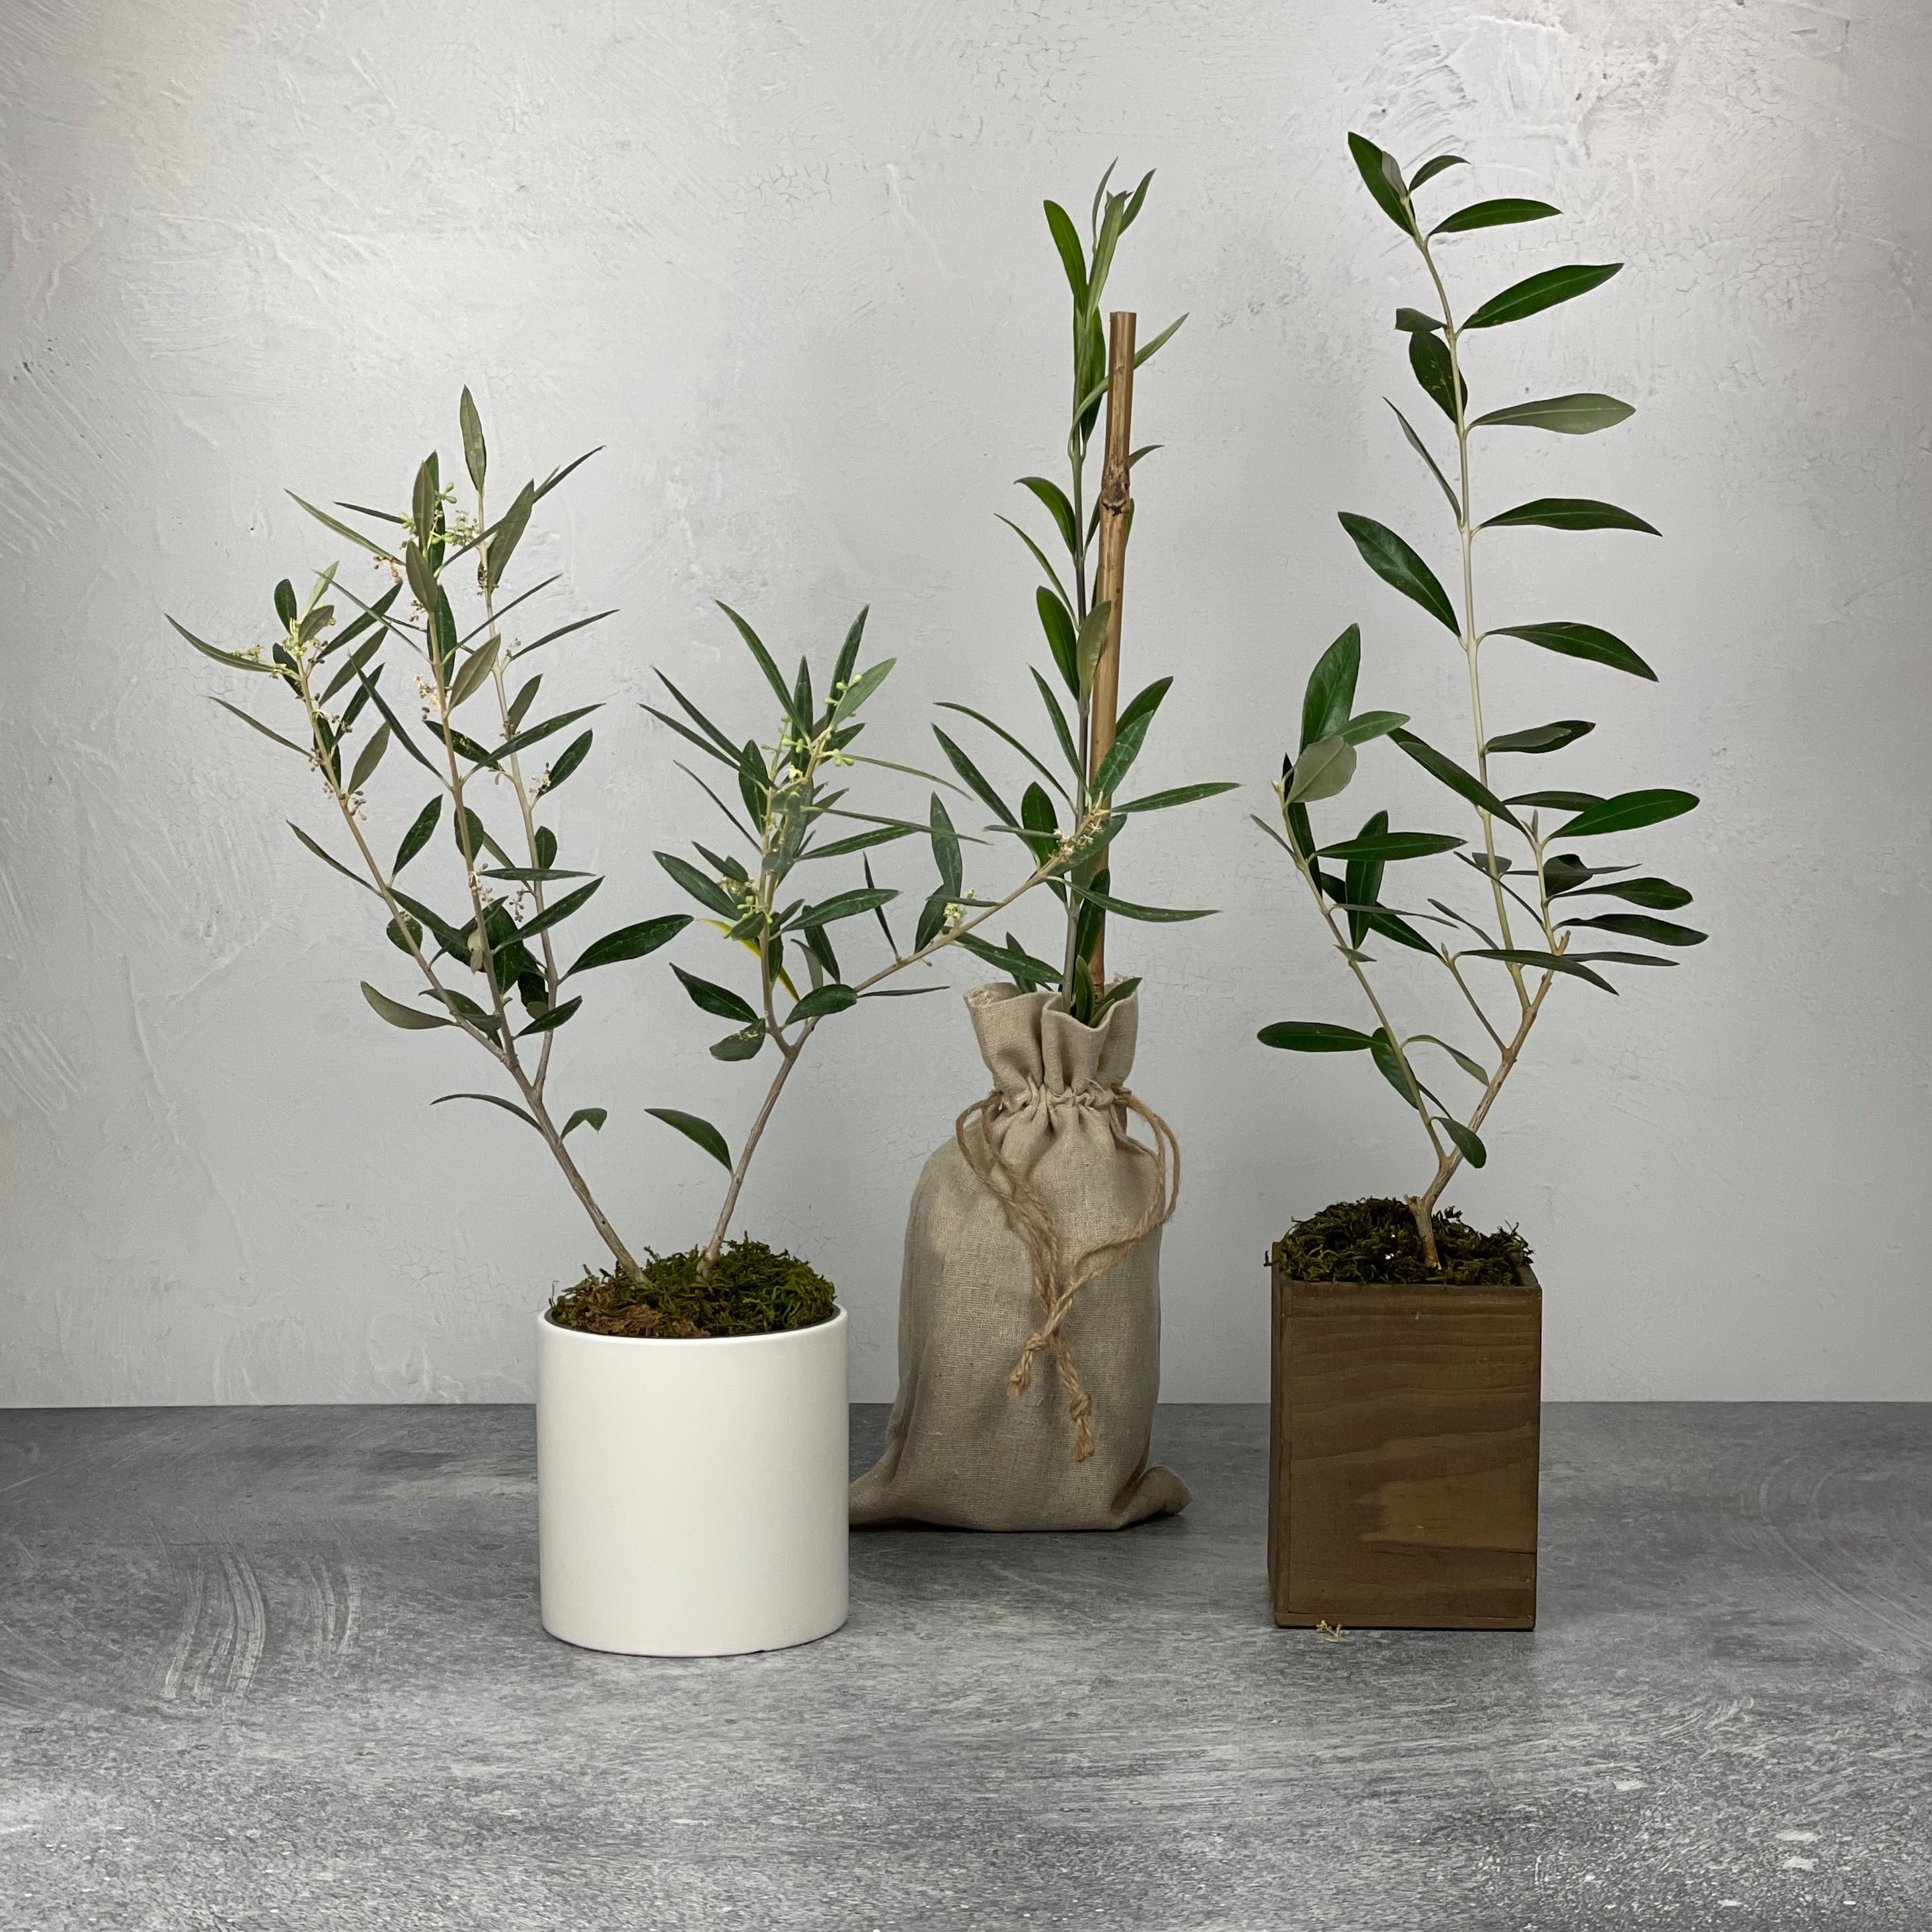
(1116, 513)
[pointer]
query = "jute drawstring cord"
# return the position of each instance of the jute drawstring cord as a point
(1056, 1281)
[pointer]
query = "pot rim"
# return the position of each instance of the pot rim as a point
(546, 1325)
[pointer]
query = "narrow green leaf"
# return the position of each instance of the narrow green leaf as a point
(475, 456)
(1000, 731)
(1569, 513)
(859, 842)
(1467, 1145)
(1162, 801)
(1640, 926)
(1439, 766)
(711, 998)
(418, 835)
(502, 547)
(549, 1021)
(1313, 1037)
(476, 668)
(1391, 847)
(1126, 909)
(1058, 625)
(368, 686)
(1072, 257)
(372, 757)
(945, 850)
(1626, 811)
(1581, 414)
(1362, 883)
(1434, 369)
(860, 688)
(342, 530)
(1130, 730)
(1061, 510)
(1389, 1064)
(1549, 962)
(707, 891)
(488, 1099)
(1539, 738)
(558, 910)
(1541, 292)
(1397, 564)
(593, 1118)
(745, 1044)
(843, 905)
(821, 1001)
(763, 657)
(1659, 895)
(328, 859)
(1383, 180)
(631, 942)
(1148, 351)
(523, 740)
(572, 755)
(1429, 170)
(1330, 695)
(557, 476)
(1421, 449)
(1499, 213)
(692, 1128)
(230, 657)
(255, 723)
(1558, 801)
(1475, 1069)
(397, 1015)
(1412, 321)
(562, 631)
(1040, 558)
(970, 773)
(351, 666)
(1580, 640)
(1370, 725)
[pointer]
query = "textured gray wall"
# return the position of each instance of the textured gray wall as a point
(786, 259)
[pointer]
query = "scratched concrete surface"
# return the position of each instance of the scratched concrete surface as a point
(268, 1667)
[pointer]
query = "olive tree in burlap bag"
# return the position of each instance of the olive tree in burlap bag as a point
(1030, 1308)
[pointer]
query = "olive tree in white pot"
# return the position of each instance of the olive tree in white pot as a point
(692, 1487)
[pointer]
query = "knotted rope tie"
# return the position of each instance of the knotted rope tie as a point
(1056, 1281)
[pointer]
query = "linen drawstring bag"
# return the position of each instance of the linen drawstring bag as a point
(1030, 1306)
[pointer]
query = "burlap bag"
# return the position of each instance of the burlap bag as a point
(1029, 1307)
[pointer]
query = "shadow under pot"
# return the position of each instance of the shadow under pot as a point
(691, 1494)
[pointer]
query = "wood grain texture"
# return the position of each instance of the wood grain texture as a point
(1403, 1455)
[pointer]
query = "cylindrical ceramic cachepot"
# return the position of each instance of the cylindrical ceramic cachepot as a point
(691, 1494)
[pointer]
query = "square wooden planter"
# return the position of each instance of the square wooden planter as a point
(1403, 1471)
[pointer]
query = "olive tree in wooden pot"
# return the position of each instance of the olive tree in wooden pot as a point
(1408, 1345)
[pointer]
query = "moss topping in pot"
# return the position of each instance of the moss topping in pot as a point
(752, 1290)
(1378, 1241)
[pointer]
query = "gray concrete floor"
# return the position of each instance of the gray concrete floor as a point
(282, 1668)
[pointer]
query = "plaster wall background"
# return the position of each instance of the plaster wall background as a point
(785, 260)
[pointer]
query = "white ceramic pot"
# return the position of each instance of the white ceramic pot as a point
(690, 1496)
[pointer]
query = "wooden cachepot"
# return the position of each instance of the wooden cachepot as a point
(1403, 1470)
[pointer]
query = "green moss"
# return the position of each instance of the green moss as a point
(1377, 1241)
(754, 1290)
